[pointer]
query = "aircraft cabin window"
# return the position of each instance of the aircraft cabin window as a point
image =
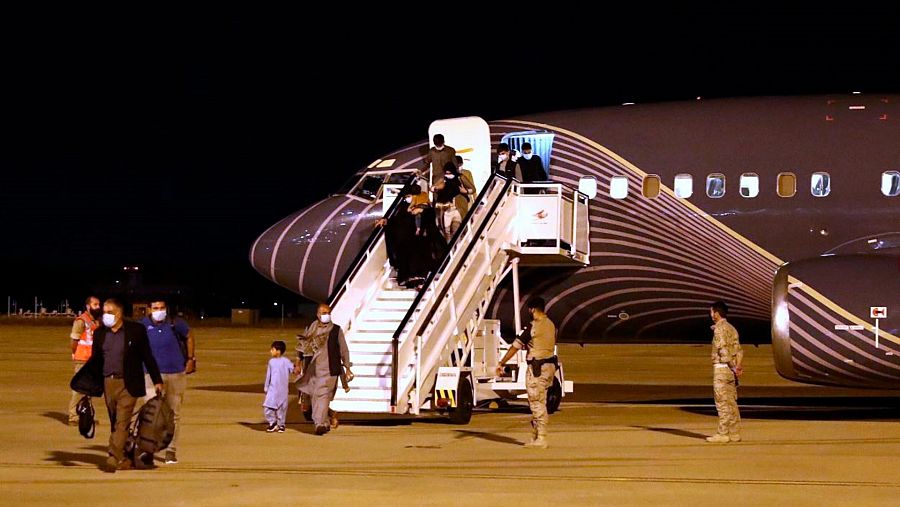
(618, 187)
(749, 185)
(715, 185)
(650, 188)
(684, 185)
(890, 183)
(369, 186)
(820, 184)
(787, 184)
(587, 185)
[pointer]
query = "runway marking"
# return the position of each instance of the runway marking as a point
(167, 474)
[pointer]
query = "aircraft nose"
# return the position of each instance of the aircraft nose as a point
(308, 251)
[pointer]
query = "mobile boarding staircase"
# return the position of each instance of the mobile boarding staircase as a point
(407, 345)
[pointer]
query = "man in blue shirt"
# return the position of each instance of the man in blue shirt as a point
(172, 343)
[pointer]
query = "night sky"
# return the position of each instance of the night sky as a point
(172, 141)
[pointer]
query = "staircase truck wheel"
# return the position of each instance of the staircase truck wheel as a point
(462, 413)
(554, 396)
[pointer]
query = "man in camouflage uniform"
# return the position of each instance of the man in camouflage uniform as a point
(727, 359)
(542, 364)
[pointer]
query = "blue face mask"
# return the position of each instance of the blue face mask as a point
(109, 320)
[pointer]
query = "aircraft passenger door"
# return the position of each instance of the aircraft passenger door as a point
(541, 145)
(471, 138)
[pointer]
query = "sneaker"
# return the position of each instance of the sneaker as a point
(321, 430)
(281, 429)
(734, 438)
(718, 439)
(537, 443)
(170, 458)
(272, 428)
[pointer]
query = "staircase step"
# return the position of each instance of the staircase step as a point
(370, 337)
(364, 407)
(383, 347)
(377, 325)
(368, 358)
(371, 370)
(370, 382)
(377, 314)
(391, 304)
(371, 393)
(407, 295)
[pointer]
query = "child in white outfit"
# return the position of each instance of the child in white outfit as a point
(278, 377)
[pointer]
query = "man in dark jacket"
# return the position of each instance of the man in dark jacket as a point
(121, 350)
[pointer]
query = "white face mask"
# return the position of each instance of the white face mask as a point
(501, 157)
(449, 176)
(325, 318)
(109, 320)
(439, 148)
(527, 156)
(158, 315)
(408, 199)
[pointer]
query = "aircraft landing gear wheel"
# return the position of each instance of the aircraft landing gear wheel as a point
(554, 396)
(462, 413)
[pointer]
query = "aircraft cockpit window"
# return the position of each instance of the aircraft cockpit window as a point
(749, 185)
(684, 186)
(787, 184)
(650, 188)
(890, 183)
(820, 184)
(369, 186)
(715, 185)
(618, 187)
(399, 178)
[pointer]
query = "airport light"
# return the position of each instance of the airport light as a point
(282, 312)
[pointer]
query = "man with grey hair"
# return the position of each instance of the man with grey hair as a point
(324, 340)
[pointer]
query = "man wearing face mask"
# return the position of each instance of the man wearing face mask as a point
(115, 370)
(82, 341)
(542, 364)
(531, 165)
(172, 343)
(324, 340)
(505, 165)
(438, 156)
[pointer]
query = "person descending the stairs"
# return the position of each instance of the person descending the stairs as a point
(542, 364)
(325, 341)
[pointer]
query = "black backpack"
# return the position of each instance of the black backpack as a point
(154, 427)
(85, 411)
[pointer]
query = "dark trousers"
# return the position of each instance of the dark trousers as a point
(119, 405)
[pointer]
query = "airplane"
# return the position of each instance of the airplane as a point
(786, 208)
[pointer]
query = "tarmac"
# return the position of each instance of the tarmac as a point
(631, 434)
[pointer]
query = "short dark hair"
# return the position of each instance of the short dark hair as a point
(87, 300)
(438, 139)
(450, 167)
(720, 307)
(279, 346)
(536, 303)
(115, 302)
(526, 146)
(157, 298)
(415, 189)
(459, 160)
(502, 147)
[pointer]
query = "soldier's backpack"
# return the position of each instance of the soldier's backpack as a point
(154, 427)
(85, 412)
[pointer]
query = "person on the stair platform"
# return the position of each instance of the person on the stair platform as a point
(445, 193)
(319, 379)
